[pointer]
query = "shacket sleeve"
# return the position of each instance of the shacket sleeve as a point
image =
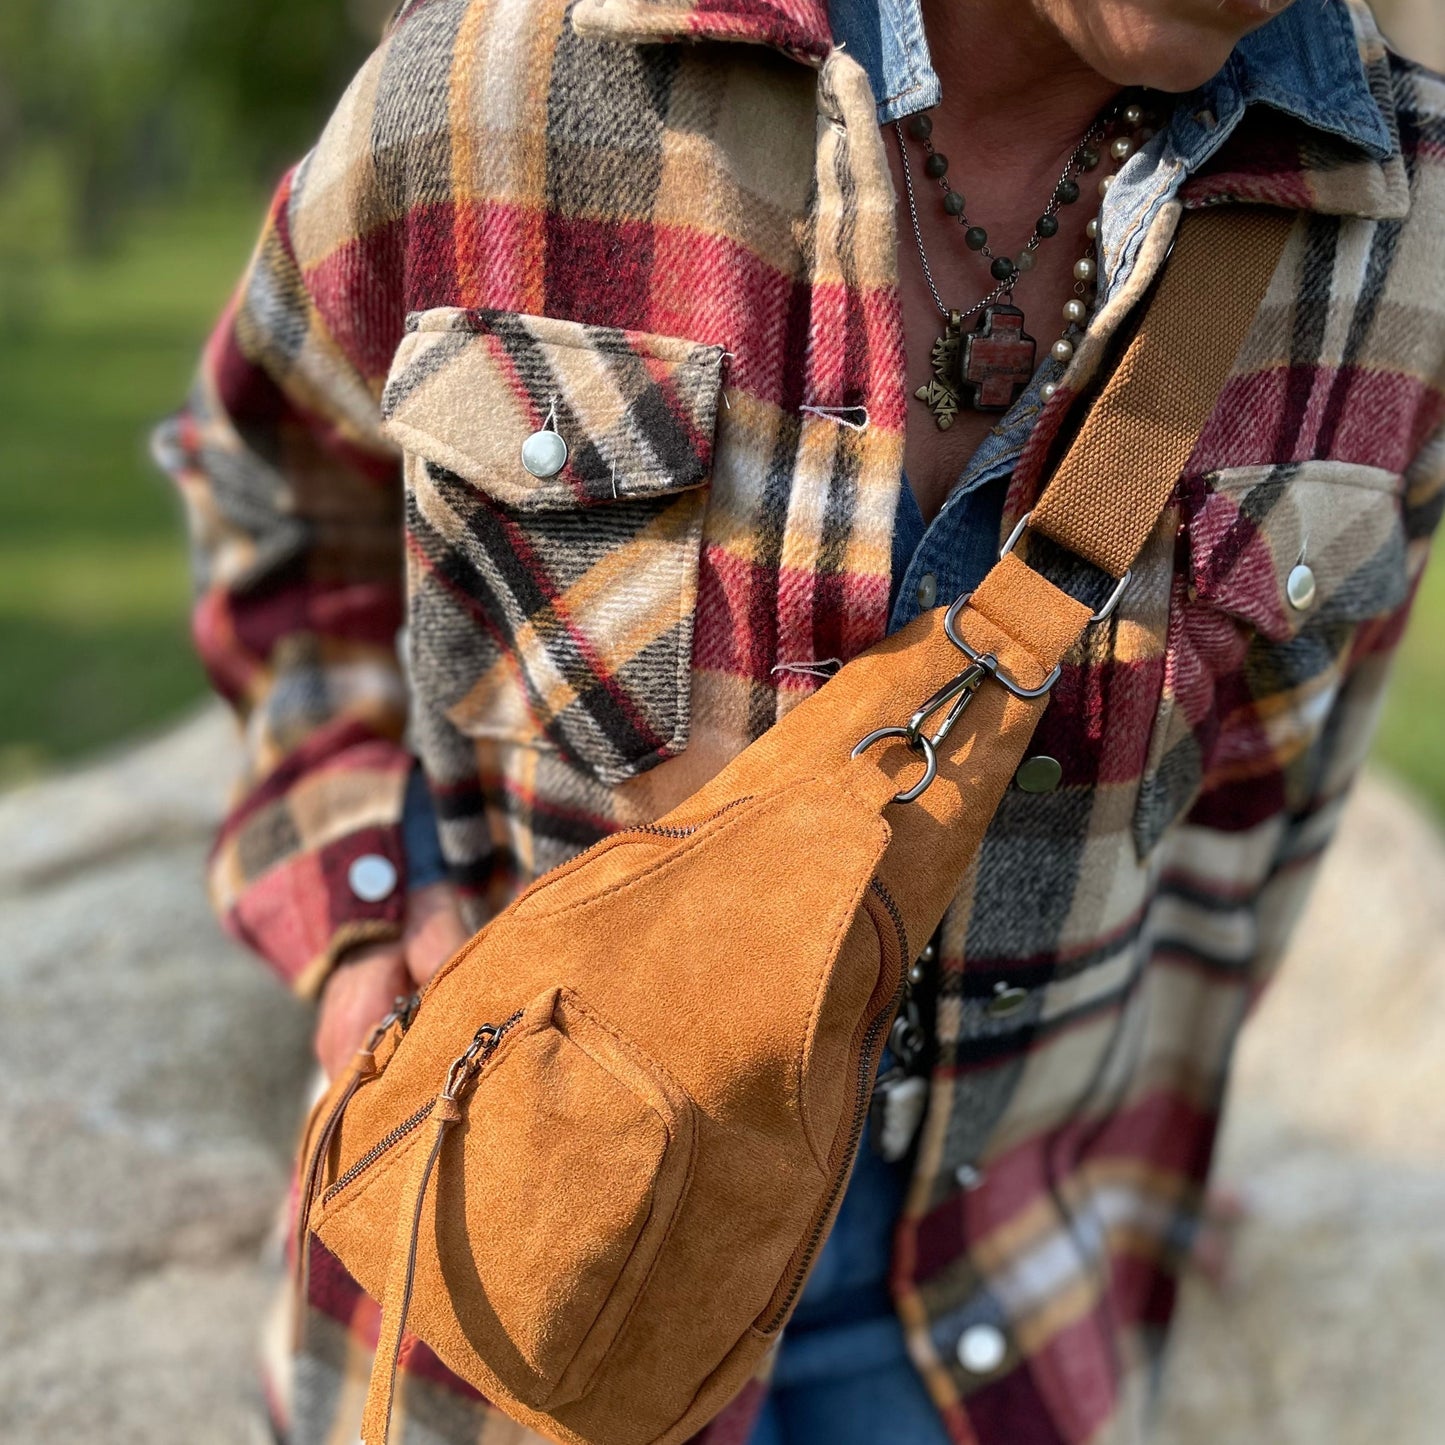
(1328, 771)
(293, 500)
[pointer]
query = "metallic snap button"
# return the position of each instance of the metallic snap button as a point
(927, 590)
(1300, 588)
(372, 877)
(1206, 118)
(544, 454)
(1006, 1001)
(969, 1176)
(1040, 775)
(982, 1349)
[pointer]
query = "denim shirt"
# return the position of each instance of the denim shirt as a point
(1304, 63)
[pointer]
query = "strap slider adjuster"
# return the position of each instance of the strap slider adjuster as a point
(1105, 612)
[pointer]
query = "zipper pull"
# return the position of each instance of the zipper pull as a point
(403, 1010)
(467, 1065)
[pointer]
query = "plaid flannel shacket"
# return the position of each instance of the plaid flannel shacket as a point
(610, 219)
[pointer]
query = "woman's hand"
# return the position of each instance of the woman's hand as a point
(368, 980)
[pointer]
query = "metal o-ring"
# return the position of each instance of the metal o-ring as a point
(918, 744)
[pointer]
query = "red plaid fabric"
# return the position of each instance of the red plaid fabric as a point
(668, 252)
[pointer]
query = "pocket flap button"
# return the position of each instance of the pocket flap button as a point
(544, 454)
(1300, 588)
(372, 877)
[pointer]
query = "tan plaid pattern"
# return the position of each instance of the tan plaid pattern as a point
(553, 193)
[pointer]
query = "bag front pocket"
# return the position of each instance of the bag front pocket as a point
(1284, 563)
(550, 1200)
(556, 610)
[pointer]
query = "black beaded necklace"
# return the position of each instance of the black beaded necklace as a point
(991, 363)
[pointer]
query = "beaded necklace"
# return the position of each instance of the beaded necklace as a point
(991, 363)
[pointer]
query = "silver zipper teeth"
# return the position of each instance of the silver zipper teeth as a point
(378, 1149)
(659, 831)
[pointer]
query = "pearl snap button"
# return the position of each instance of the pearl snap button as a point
(1300, 588)
(1040, 775)
(969, 1176)
(372, 877)
(982, 1349)
(1006, 1001)
(544, 454)
(927, 590)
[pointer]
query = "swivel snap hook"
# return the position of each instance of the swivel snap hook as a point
(960, 692)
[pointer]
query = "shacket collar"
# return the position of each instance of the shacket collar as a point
(1303, 116)
(1322, 135)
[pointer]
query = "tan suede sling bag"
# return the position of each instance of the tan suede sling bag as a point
(593, 1167)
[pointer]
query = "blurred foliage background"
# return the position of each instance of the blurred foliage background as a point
(138, 141)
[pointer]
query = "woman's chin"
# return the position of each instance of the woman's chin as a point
(1169, 45)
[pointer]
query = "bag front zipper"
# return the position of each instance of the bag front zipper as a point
(867, 1069)
(463, 1071)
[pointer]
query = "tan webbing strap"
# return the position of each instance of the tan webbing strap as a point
(1107, 497)
(1111, 488)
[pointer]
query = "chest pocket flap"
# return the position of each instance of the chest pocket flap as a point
(556, 477)
(1284, 563)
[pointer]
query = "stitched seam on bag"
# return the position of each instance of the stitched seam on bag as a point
(641, 1057)
(723, 822)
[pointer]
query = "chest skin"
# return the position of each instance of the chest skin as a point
(1007, 204)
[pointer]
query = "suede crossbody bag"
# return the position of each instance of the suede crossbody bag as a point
(592, 1169)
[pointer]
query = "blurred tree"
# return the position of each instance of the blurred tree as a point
(129, 98)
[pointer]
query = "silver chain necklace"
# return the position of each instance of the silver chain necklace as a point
(992, 362)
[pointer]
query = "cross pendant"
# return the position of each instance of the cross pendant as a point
(997, 360)
(988, 365)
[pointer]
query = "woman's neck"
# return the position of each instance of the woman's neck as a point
(1010, 80)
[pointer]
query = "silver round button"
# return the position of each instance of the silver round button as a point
(372, 877)
(927, 590)
(969, 1176)
(1300, 588)
(1006, 1001)
(544, 454)
(1040, 775)
(982, 1349)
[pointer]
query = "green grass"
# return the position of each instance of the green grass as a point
(94, 586)
(1411, 732)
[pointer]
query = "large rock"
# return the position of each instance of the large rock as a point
(1332, 1329)
(149, 1088)
(1416, 26)
(151, 1073)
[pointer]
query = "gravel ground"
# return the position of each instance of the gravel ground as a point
(149, 1094)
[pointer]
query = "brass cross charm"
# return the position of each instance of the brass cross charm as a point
(992, 363)
(940, 393)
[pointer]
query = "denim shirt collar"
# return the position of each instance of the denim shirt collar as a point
(1305, 63)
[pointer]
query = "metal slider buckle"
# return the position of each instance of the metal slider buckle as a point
(983, 666)
(1105, 612)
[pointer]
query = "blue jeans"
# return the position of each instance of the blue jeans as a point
(843, 1376)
